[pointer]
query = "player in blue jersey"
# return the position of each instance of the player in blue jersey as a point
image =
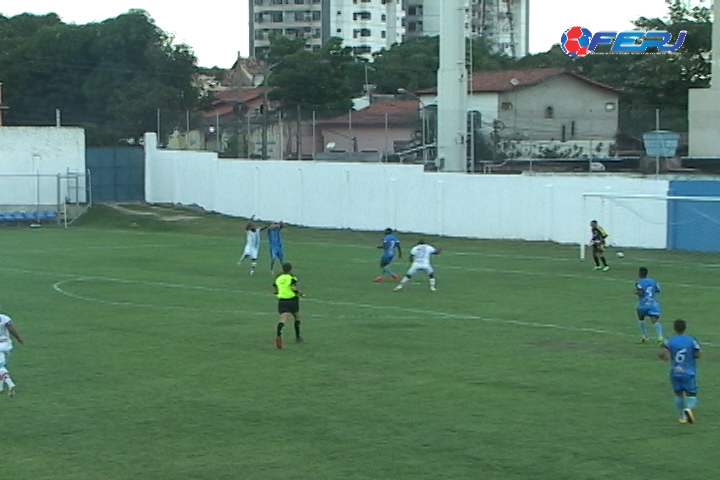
(276, 246)
(390, 244)
(682, 351)
(647, 291)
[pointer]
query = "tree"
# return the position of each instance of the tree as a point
(320, 80)
(109, 77)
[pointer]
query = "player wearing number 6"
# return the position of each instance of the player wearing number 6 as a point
(682, 351)
(647, 291)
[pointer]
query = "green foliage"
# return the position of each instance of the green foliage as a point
(411, 65)
(322, 80)
(109, 77)
(149, 355)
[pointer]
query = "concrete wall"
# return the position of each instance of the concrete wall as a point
(703, 119)
(30, 160)
(374, 196)
(47, 150)
(571, 99)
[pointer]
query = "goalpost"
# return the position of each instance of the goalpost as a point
(653, 221)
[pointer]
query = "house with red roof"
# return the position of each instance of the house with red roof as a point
(542, 110)
(379, 128)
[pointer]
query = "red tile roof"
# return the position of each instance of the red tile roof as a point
(241, 95)
(397, 112)
(499, 80)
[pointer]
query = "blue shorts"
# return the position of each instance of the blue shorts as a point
(386, 259)
(276, 252)
(648, 311)
(684, 383)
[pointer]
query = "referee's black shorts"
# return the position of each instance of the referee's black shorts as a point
(289, 305)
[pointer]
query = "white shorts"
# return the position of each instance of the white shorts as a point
(414, 268)
(251, 252)
(3, 359)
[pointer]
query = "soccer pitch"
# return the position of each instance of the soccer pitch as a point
(149, 355)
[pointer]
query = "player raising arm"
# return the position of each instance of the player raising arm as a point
(274, 232)
(252, 244)
(420, 257)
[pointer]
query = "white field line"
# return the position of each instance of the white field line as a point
(410, 313)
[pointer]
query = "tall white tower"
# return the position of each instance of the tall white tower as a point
(704, 103)
(452, 87)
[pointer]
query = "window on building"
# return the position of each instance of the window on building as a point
(258, 18)
(299, 2)
(259, 2)
(609, 106)
(299, 16)
(412, 26)
(549, 112)
(339, 30)
(316, 15)
(276, 17)
(276, 2)
(362, 16)
(572, 129)
(383, 34)
(383, 17)
(316, 33)
(365, 32)
(363, 49)
(506, 106)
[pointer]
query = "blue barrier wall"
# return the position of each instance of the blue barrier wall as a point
(694, 225)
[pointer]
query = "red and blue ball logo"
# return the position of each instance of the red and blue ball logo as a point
(575, 41)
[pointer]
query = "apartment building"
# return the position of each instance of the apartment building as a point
(504, 22)
(365, 25)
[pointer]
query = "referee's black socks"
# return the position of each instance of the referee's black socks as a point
(280, 326)
(297, 328)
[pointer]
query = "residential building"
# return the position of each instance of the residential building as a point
(365, 25)
(505, 23)
(542, 109)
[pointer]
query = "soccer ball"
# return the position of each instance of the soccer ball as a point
(575, 41)
(620, 254)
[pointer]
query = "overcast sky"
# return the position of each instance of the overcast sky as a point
(218, 31)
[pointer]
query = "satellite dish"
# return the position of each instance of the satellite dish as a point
(330, 146)
(514, 82)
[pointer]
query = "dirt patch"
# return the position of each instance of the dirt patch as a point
(170, 217)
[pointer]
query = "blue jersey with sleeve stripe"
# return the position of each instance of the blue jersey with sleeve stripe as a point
(274, 237)
(649, 290)
(682, 350)
(389, 243)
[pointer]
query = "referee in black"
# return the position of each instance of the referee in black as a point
(288, 294)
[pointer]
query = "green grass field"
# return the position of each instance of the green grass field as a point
(149, 355)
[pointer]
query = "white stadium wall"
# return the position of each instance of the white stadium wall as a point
(375, 196)
(48, 150)
(32, 157)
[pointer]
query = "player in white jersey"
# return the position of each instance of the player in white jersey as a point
(252, 244)
(420, 257)
(7, 333)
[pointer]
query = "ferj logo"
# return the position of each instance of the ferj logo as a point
(579, 41)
